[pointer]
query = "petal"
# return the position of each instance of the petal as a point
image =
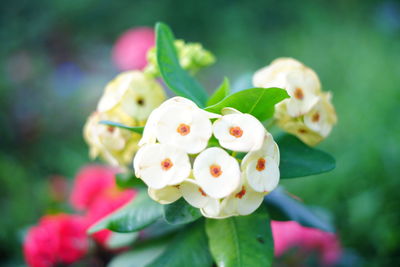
(264, 180)
(193, 194)
(165, 195)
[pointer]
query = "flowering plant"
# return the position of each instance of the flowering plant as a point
(207, 168)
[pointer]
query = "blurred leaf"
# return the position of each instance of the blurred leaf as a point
(241, 241)
(140, 256)
(134, 216)
(128, 180)
(222, 92)
(180, 212)
(258, 102)
(138, 130)
(282, 207)
(189, 248)
(298, 159)
(120, 240)
(177, 79)
(159, 229)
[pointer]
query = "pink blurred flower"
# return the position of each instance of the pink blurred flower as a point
(307, 240)
(96, 192)
(90, 182)
(129, 52)
(56, 239)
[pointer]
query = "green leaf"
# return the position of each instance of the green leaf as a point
(121, 240)
(298, 159)
(259, 102)
(222, 92)
(138, 130)
(128, 180)
(241, 241)
(189, 248)
(282, 207)
(180, 212)
(134, 216)
(177, 79)
(140, 256)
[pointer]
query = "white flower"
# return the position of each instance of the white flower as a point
(261, 167)
(159, 165)
(165, 195)
(178, 121)
(134, 92)
(322, 117)
(217, 173)
(196, 197)
(242, 202)
(239, 132)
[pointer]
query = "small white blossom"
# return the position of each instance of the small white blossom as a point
(216, 172)
(196, 197)
(159, 165)
(242, 202)
(239, 132)
(165, 195)
(261, 167)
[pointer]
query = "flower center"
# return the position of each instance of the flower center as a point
(166, 164)
(315, 117)
(183, 129)
(202, 192)
(140, 101)
(302, 131)
(241, 193)
(110, 129)
(298, 93)
(236, 131)
(260, 164)
(215, 170)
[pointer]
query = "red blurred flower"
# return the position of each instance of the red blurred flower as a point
(129, 52)
(95, 192)
(307, 240)
(56, 239)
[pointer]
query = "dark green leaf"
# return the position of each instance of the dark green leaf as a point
(138, 130)
(188, 249)
(134, 216)
(259, 102)
(180, 212)
(222, 92)
(128, 180)
(298, 159)
(282, 207)
(177, 79)
(241, 241)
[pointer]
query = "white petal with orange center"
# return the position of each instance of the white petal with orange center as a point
(239, 132)
(159, 165)
(216, 172)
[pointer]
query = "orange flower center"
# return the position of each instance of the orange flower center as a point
(236, 131)
(215, 170)
(241, 193)
(166, 164)
(298, 93)
(315, 117)
(302, 131)
(183, 129)
(202, 192)
(110, 129)
(260, 164)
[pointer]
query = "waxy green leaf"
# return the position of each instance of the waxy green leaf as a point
(189, 248)
(138, 130)
(180, 212)
(241, 241)
(128, 180)
(176, 78)
(298, 159)
(222, 92)
(134, 216)
(259, 102)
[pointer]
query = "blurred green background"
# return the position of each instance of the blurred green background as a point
(55, 59)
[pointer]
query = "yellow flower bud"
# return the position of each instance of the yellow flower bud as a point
(192, 57)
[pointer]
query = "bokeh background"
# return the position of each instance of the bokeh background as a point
(56, 58)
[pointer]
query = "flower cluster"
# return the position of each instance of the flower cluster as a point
(184, 154)
(128, 99)
(192, 57)
(308, 113)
